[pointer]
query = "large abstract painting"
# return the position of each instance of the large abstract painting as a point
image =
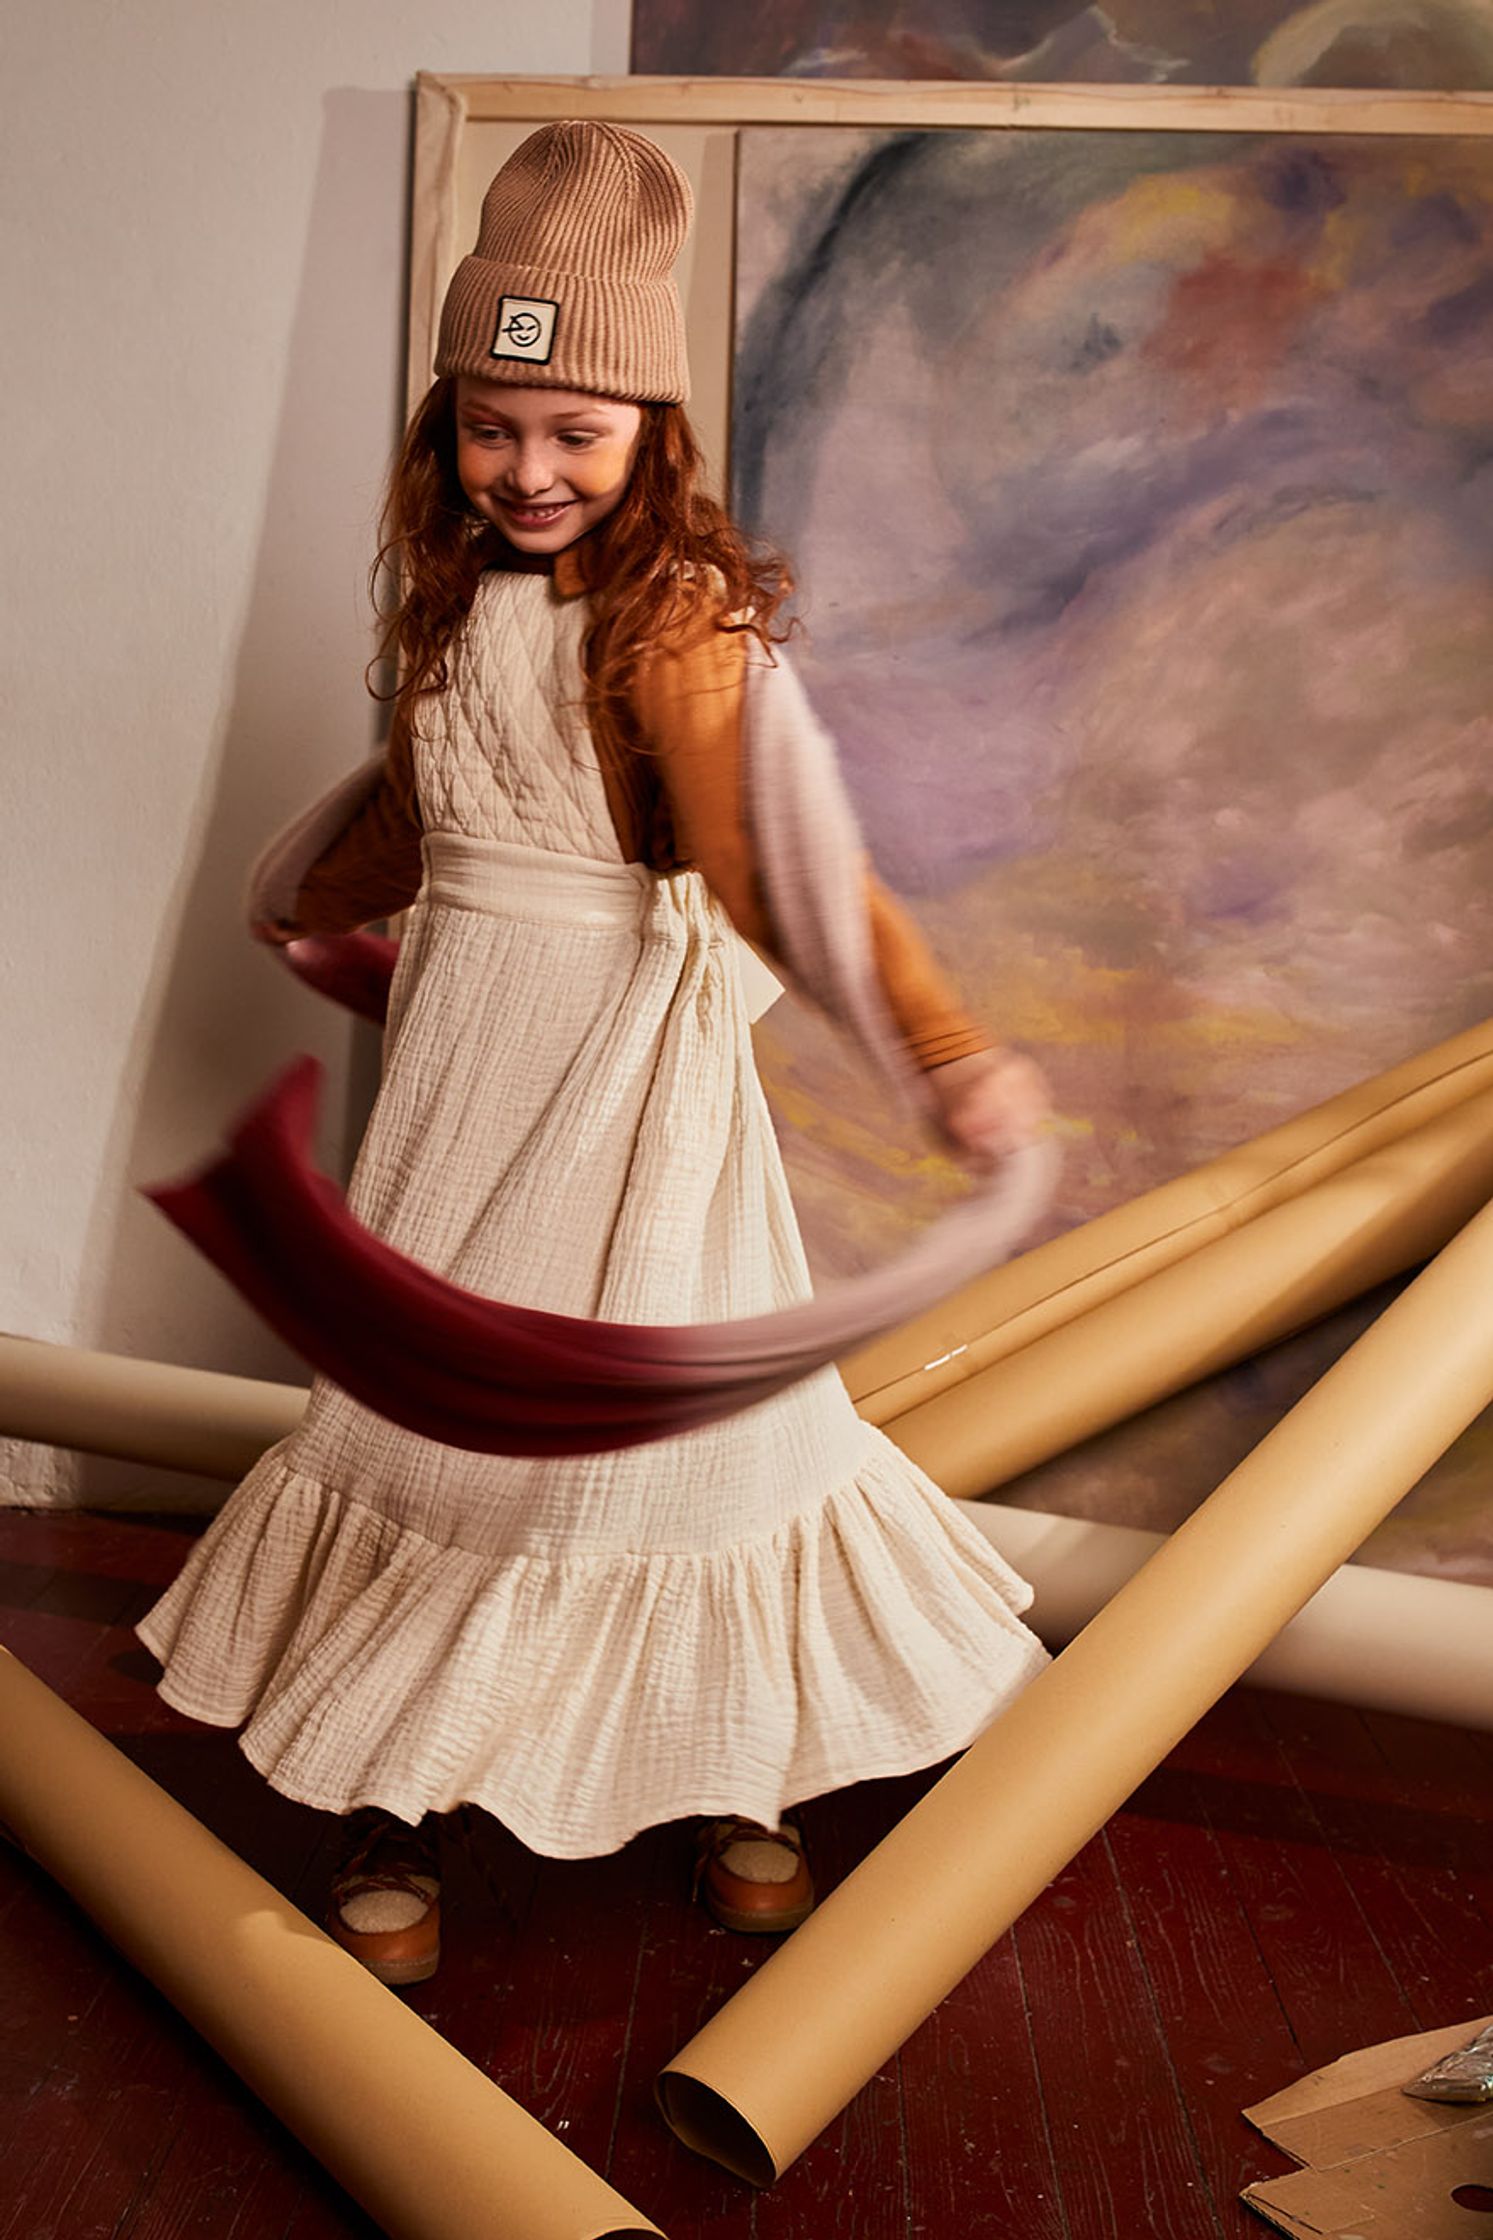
(1141, 489)
(1424, 43)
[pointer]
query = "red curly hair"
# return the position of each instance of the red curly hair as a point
(666, 557)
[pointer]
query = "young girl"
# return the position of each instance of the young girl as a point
(722, 1622)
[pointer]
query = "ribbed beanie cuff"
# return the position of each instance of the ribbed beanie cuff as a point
(571, 284)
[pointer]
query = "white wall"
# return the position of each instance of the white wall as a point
(204, 244)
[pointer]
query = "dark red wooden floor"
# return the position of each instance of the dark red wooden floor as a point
(1297, 1880)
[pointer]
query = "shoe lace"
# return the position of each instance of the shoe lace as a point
(410, 1854)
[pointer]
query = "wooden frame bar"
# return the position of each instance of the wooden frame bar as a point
(700, 119)
(926, 105)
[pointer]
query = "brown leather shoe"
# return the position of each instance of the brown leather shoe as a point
(752, 1878)
(385, 1901)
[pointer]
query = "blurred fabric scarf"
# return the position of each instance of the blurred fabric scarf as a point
(499, 1379)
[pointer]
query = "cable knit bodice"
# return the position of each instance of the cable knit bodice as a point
(504, 753)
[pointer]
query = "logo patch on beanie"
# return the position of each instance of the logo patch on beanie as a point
(526, 329)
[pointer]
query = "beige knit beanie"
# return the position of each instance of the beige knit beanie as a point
(571, 285)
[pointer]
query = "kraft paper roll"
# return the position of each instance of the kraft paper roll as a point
(143, 1411)
(1011, 1307)
(430, 2147)
(803, 2035)
(1442, 1629)
(1276, 1274)
(1381, 1640)
(216, 1425)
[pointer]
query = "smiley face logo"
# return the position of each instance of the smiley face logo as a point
(525, 329)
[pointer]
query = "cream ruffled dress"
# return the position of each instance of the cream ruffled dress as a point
(570, 1118)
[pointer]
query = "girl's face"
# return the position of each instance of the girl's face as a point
(542, 465)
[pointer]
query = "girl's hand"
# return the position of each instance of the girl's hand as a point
(276, 933)
(990, 1105)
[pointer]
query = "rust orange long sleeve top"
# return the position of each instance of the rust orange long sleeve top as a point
(678, 803)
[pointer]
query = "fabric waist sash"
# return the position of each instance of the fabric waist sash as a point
(500, 1379)
(511, 881)
(508, 880)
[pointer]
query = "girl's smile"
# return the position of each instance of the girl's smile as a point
(542, 465)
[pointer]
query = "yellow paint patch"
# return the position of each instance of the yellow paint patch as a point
(1164, 213)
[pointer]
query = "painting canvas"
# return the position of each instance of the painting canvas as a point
(1141, 491)
(1420, 43)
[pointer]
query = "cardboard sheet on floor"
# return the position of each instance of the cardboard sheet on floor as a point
(430, 2147)
(811, 2027)
(1000, 1313)
(1376, 2165)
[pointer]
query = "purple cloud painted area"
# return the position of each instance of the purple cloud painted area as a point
(977, 453)
(1430, 43)
(1140, 491)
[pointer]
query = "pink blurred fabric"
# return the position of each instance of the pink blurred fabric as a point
(481, 1374)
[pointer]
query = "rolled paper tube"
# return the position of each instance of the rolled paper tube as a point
(144, 1411)
(802, 2036)
(1011, 1307)
(1442, 1629)
(1218, 1305)
(1252, 1287)
(429, 2146)
(1382, 1640)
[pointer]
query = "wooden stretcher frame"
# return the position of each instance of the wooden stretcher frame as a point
(466, 126)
